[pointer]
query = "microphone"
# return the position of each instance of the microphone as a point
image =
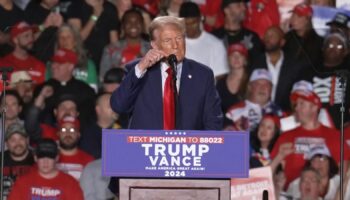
(4, 72)
(265, 195)
(172, 61)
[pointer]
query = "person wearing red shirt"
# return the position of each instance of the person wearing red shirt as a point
(72, 159)
(309, 134)
(46, 182)
(22, 36)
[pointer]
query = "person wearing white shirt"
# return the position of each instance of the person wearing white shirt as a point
(201, 45)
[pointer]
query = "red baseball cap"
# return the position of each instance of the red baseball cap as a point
(302, 10)
(69, 120)
(309, 96)
(65, 56)
(238, 47)
(21, 27)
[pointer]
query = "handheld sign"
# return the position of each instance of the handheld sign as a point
(175, 154)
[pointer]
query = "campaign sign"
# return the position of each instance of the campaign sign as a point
(175, 154)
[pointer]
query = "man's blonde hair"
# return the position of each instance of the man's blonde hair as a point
(160, 22)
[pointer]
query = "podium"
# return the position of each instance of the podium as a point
(175, 165)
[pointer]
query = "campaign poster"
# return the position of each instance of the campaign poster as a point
(175, 154)
(252, 188)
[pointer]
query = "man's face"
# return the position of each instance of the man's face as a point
(12, 107)
(17, 145)
(68, 136)
(25, 90)
(104, 110)
(62, 71)
(66, 108)
(171, 40)
(273, 39)
(304, 110)
(309, 184)
(334, 49)
(192, 27)
(46, 165)
(260, 91)
(25, 40)
(236, 11)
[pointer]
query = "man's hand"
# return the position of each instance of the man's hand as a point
(286, 149)
(45, 92)
(151, 57)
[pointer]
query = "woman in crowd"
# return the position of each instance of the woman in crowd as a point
(264, 137)
(130, 46)
(232, 86)
(85, 70)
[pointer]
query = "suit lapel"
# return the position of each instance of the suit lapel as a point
(155, 81)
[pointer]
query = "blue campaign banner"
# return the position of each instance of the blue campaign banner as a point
(175, 154)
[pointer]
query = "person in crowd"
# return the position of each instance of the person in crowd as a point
(85, 69)
(98, 24)
(18, 158)
(327, 83)
(63, 82)
(197, 39)
(131, 46)
(340, 23)
(46, 15)
(264, 137)
(291, 121)
(21, 82)
(72, 159)
(13, 104)
(233, 30)
(46, 181)
(140, 93)
(302, 40)
(309, 184)
(93, 184)
(91, 140)
(284, 69)
(13, 14)
(112, 79)
(246, 114)
(279, 181)
(232, 86)
(321, 160)
(22, 36)
(310, 132)
(66, 105)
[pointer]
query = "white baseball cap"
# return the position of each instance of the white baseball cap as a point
(259, 74)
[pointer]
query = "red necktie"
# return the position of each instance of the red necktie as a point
(168, 102)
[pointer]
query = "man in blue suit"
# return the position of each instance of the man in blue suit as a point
(142, 94)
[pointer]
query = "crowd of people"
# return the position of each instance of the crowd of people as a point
(284, 86)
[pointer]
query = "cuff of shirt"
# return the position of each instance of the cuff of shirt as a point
(138, 72)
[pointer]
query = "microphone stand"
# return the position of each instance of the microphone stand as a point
(343, 81)
(4, 71)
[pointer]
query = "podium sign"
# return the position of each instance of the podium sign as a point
(175, 154)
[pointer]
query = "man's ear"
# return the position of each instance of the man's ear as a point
(154, 45)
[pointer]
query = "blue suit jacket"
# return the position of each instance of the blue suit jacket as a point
(199, 102)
